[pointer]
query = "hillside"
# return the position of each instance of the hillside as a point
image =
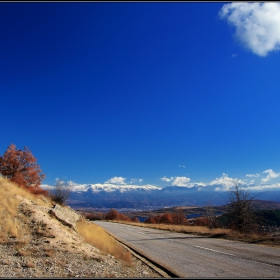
(36, 242)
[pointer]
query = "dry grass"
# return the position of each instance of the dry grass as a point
(23, 253)
(3, 237)
(100, 239)
(270, 240)
(185, 229)
(10, 189)
(11, 198)
(29, 264)
(49, 252)
(20, 244)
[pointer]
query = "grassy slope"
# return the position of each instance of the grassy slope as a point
(16, 226)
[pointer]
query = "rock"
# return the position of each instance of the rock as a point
(66, 215)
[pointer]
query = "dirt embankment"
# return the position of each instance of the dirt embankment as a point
(36, 241)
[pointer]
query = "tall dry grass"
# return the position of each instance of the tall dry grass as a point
(214, 232)
(11, 197)
(99, 238)
(183, 228)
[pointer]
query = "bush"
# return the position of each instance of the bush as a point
(61, 191)
(94, 216)
(166, 218)
(135, 220)
(177, 218)
(20, 167)
(150, 220)
(201, 221)
(113, 214)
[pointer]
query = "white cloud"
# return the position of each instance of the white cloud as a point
(116, 180)
(253, 175)
(181, 181)
(257, 24)
(140, 180)
(226, 181)
(182, 166)
(234, 55)
(165, 179)
(270, 175)
(264, 187)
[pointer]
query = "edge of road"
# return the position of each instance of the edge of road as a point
(162, 270)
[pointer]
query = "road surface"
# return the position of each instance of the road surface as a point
(189, 255)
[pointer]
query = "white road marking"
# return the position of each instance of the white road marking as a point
(214, 250)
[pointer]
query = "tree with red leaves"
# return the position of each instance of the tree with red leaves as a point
(20, 166)
(179, 218)
(166, 218)
(150, 220)
(113, 214)
(135, 220)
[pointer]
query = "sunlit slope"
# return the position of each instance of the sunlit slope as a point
(11, 197)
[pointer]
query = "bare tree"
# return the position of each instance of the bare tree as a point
(210, 214)
(240, 210)
(61, 191)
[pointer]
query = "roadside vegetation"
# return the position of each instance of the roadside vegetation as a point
(11, 198)
(99, 238)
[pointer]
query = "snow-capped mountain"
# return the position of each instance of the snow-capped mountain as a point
(107, 187)
(140, 197)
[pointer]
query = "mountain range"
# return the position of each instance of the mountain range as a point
(106, 196)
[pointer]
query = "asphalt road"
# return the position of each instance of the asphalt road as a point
(189, 255)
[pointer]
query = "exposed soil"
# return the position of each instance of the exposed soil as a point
(50, 249)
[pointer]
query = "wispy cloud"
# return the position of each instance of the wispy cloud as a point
(270, 175)
(165, 179)
(253, 175)
(182, 166)
(264, 187)
(116, 180)
(181, 181)
(234, 55)
(257, 24)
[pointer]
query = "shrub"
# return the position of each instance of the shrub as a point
(113, 214)
(179, 218)
(201, 221)
(135, 220)
(150, 220)
(20, 166)
(61, 191)
(166, 218)
(94, 216)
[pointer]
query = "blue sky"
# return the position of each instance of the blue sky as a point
(143, 93)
